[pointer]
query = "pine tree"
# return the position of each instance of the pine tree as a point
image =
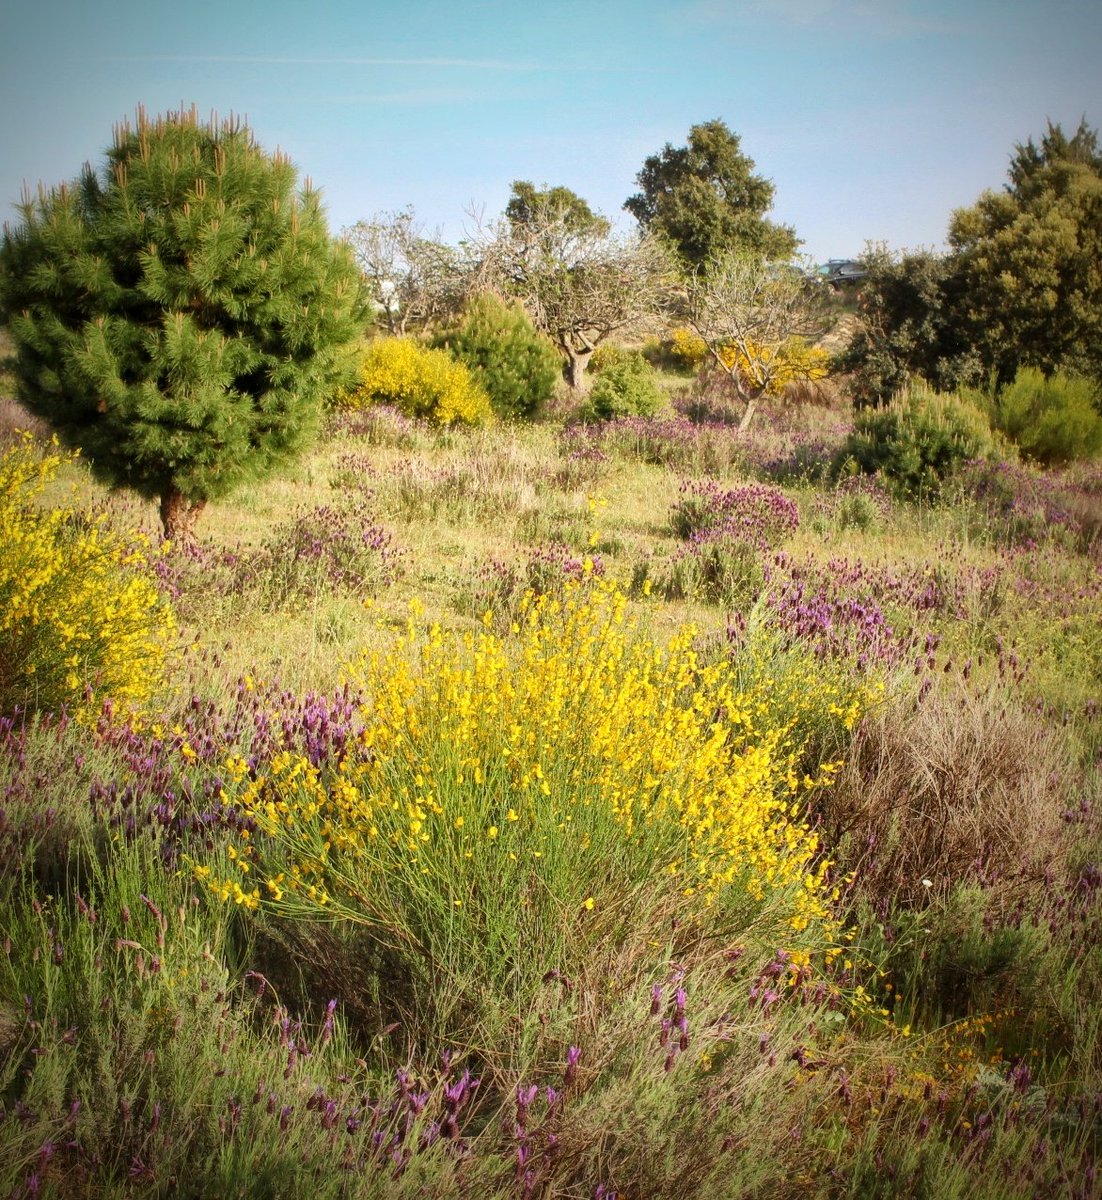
(179, 316)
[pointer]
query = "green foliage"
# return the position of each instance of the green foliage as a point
(1029, 259)
(857, 510)
(705, 199)
(1055, 421)
(121, 968)
(1019, 288)
(530, 208)
(916, 442)
(625, 386)
(911, 328)
(420, 381)
(516, 366)
(179, 315)
(625, 1034)
(723, 570)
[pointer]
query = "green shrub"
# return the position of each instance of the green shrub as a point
(1055, 421)
(916, 442)
(722, 570)
(625, 386)
(420, 381)
(516, 366)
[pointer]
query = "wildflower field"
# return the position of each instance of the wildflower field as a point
(619, 810)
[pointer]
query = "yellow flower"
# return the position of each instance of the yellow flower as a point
(76, 601)
(612, 743)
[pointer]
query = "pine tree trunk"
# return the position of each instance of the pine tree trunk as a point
(179, 514)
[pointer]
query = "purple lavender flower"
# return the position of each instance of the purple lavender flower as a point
(573, 1053)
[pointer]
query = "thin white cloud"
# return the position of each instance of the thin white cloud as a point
(326, 60)
(413, 98)
(890, 18)
(466, 64)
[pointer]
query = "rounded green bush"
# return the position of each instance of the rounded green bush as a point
(1055, 421)
(515, 365)
(625, 386)
(916, 442)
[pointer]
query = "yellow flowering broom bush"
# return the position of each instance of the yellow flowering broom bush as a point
(420, 381)
(797, 362)
(79, 618)
(515, 801)
(686, 348)
(794, 361)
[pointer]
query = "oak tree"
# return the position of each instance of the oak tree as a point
(1029, 258)
(706, 200)
(912, 324)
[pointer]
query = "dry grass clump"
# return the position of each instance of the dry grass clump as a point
(965, 786)
(480, 486)
(14, 419)
(812, 393)
(1084, 516)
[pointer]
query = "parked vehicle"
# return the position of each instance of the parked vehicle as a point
(839, 271)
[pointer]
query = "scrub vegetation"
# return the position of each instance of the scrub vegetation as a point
(549, 792)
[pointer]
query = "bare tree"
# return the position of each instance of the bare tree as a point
(414, 280)
(578, 280)
(757, 319)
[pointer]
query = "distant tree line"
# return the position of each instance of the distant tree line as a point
(183, 314)
(1020, 287)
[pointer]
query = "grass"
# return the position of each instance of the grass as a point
(886, 989)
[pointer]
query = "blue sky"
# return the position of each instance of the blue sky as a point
(873, 118)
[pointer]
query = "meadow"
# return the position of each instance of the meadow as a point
(615, 810)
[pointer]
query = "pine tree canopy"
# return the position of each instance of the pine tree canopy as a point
(179, 315)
